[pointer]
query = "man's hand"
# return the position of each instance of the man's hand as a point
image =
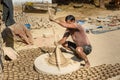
(51, 18)
(54, 20)
(56, 43)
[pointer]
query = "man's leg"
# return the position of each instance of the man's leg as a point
(70, 46)
(78, 51)
(65, 45)
(81, 54)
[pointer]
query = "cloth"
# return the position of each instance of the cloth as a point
(8, 12)
(86, 49)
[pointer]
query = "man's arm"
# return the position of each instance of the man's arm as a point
(63, 24)
(66, 25)
(65, 36)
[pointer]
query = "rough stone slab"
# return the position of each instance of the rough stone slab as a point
(12, 54)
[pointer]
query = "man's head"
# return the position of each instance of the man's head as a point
(70, 19)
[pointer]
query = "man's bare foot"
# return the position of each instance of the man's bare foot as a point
(87, 64)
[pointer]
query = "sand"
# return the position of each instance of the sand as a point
(106, 48)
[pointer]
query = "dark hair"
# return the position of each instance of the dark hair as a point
(70, 17)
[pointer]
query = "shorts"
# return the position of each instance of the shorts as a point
(86, 49)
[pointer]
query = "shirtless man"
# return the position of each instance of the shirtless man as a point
(81, 43)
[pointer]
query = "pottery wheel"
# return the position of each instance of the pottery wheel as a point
(47, 63)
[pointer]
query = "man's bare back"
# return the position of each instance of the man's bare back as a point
(79, 36)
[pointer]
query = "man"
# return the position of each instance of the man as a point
(81, 43)
(8, 12)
